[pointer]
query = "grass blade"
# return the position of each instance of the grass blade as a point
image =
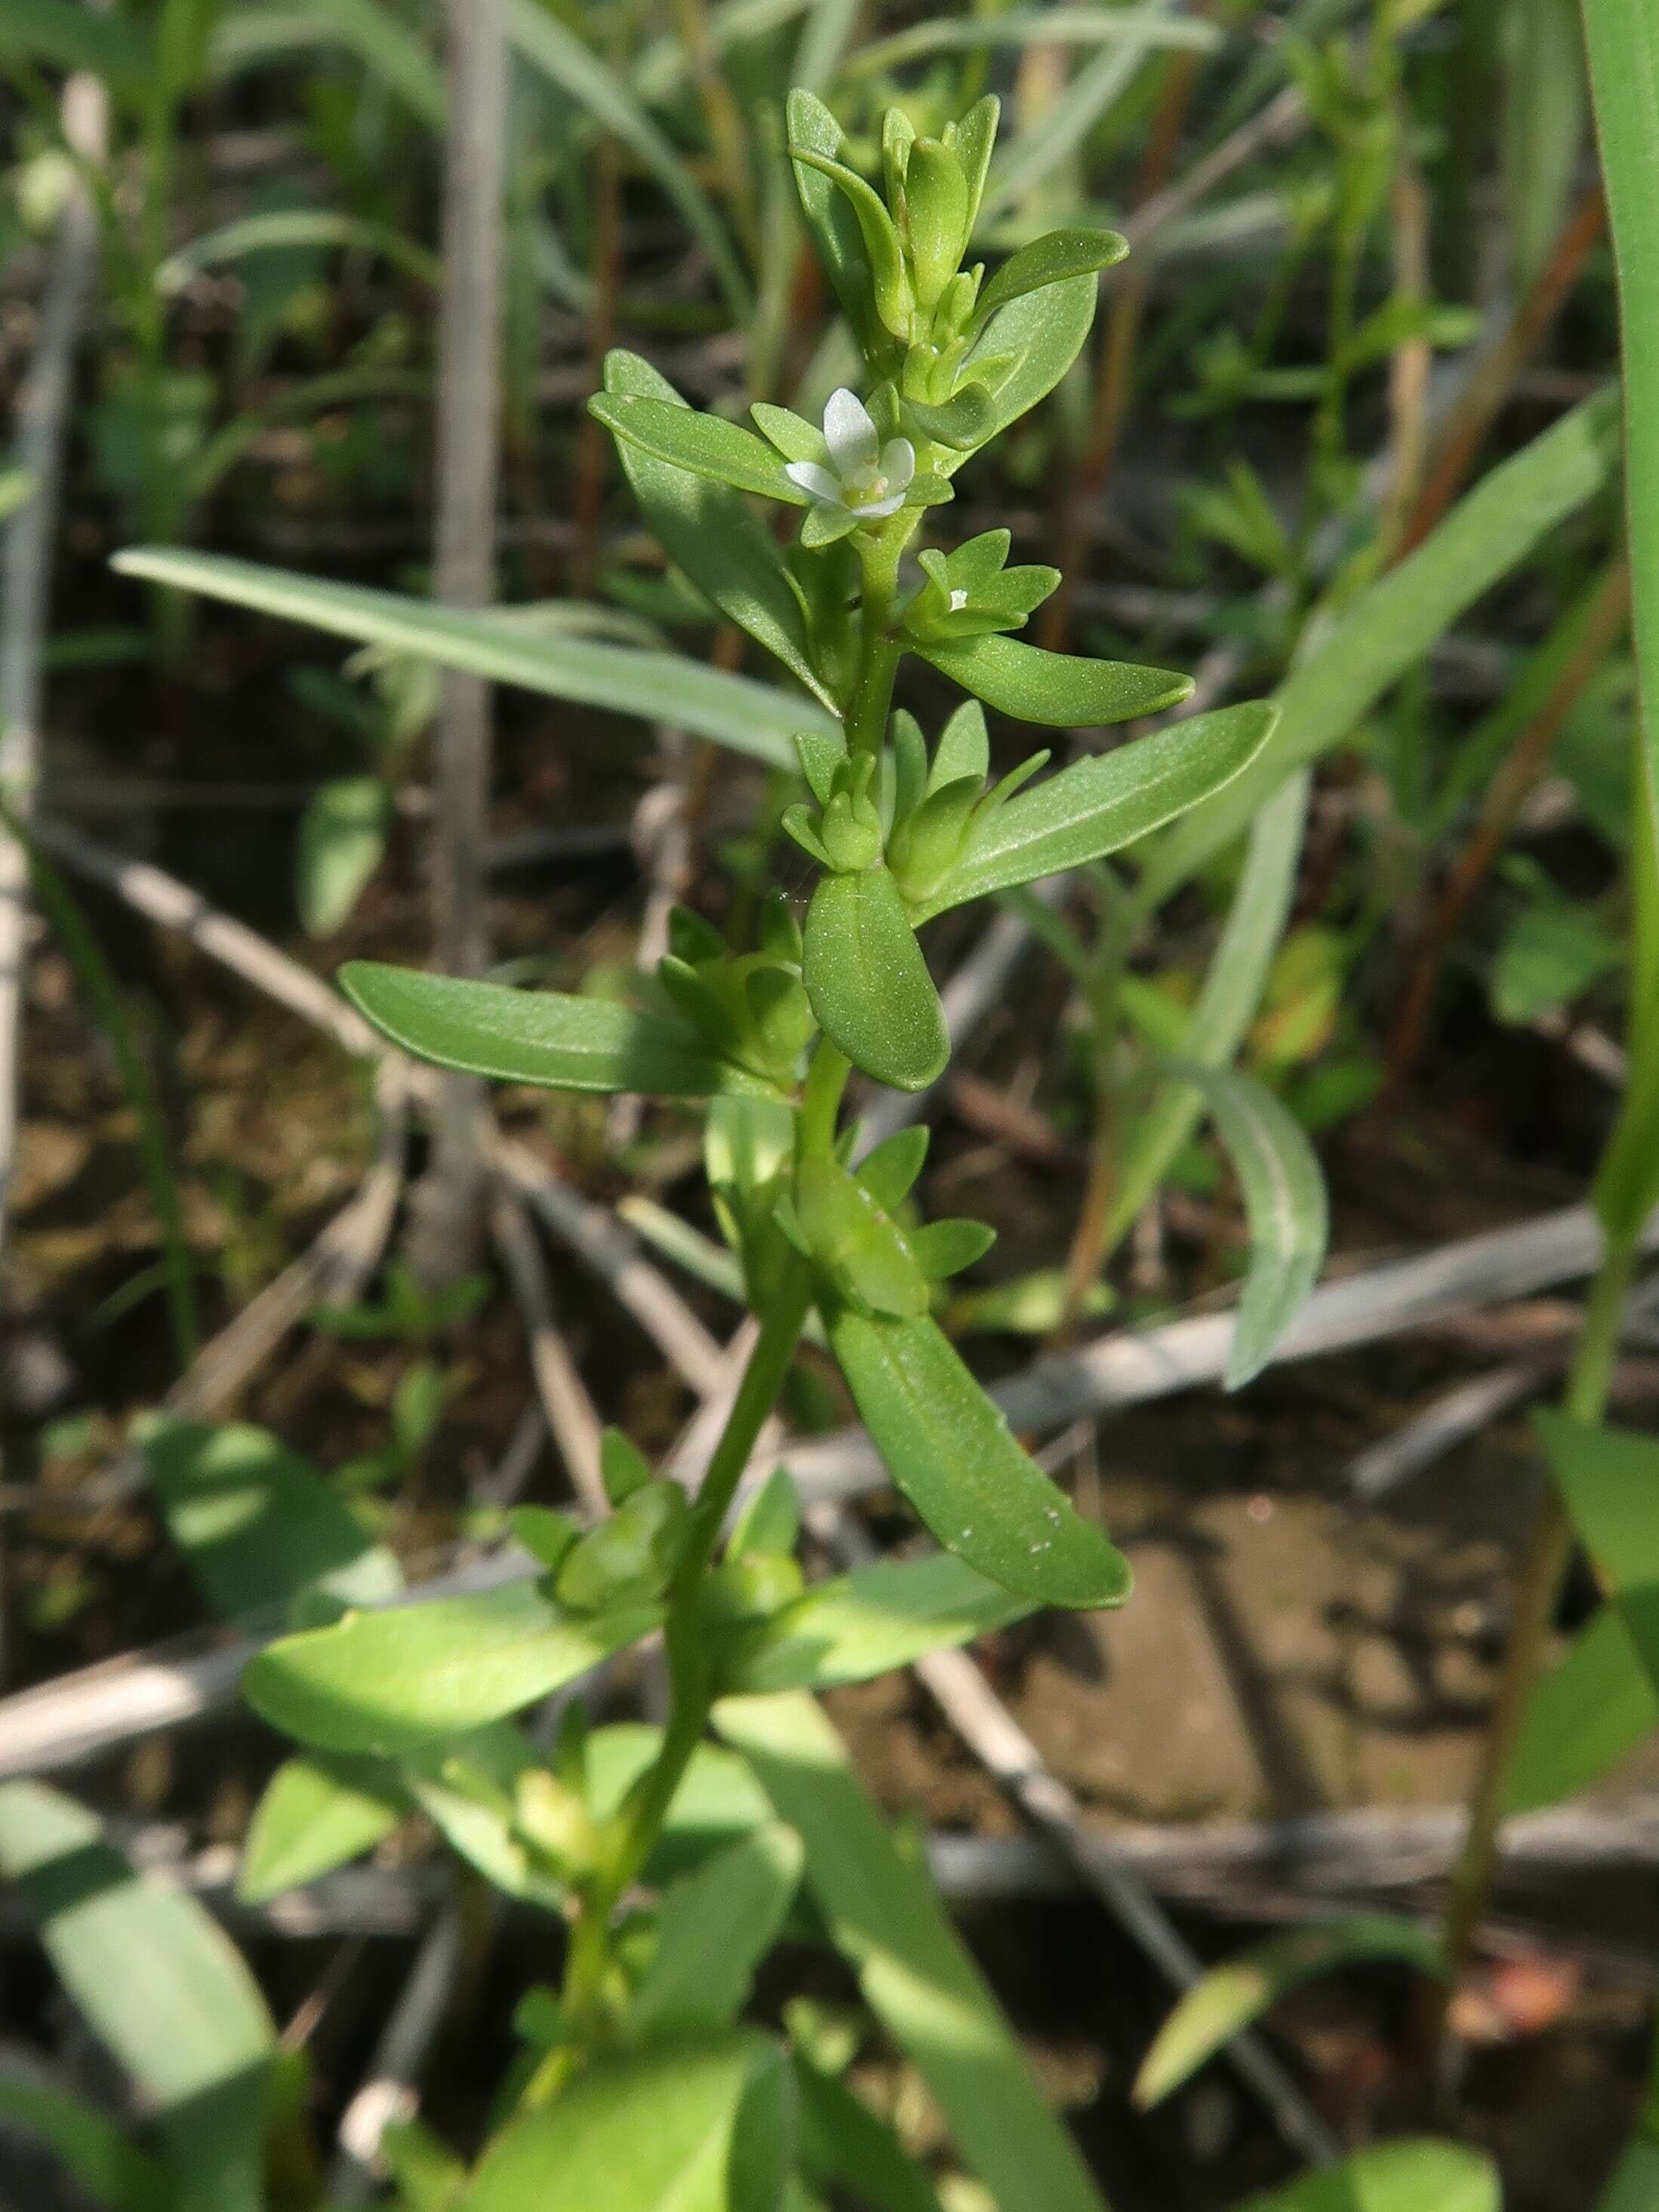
(1279, 1174)
(746, 716)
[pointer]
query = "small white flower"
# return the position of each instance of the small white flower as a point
(958, 600)
(864, 477)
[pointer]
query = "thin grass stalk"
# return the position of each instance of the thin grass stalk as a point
(468, 468)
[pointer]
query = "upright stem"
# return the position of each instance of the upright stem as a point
(879, 552)
(691, 1684)
(1537, 1591)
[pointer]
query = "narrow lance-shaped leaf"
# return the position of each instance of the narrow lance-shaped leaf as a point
(161, 1985)
(1391, 626)
(735, 712)
(548, 44)
(339, 844)
(1622, 37)
(949, 1449)
(1230, 1997)
(714, 1925)
(1063, 691)
(388, 1682)
(1053, 258)
(913, 1969)
(888, 1615)
(706, 530)
(545, 1037)
(1099, 804)
(868, 982)
(1285, 1202)
(707, 445)
(92, 2146)
(830, 218)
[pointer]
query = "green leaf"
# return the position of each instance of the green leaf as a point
(1550, 953)
(707, 445)
(704, 2126)
(718, 1799)
(1061, 690)
(539, 38)
(1278, 1173)
(88, 2143)
(316, 1814)
(890, 285)
(1635, 2184)
(1229, 1997)
(388, 1682)
(830, 218)
(257, 1526)
(914, 1973)
(745, 716)
(466, 1786)
(1053, 258)
(714, 1926)
(67, 36)
(950, 1451)
(160, 1985)
(1416, 2175)
(1623, 41)
(1107, 801)
(842, 2140)
(1592, 1709)
(868, 982)
(867, 1623)
(545, 1037)
(339, 844)
(1390, 627)
(1609, 1482)
(1042, 333)
(712, 536)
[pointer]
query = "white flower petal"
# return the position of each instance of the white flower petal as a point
(871, 510)
(898, 462)
(813, 477)
(848, 432)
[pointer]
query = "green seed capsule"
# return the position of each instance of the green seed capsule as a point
(629, 1559)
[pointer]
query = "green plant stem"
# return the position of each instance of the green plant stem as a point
(1542, 1570)
(587, 1967)
(880, 553)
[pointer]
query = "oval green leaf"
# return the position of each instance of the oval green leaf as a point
(258, 1527)
(1419, 2175)
(1061, 690)
(949, 1449)
(387, 1682)
(546, 1038)
(317, 1812)
(705, 2125)
(868, 982)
